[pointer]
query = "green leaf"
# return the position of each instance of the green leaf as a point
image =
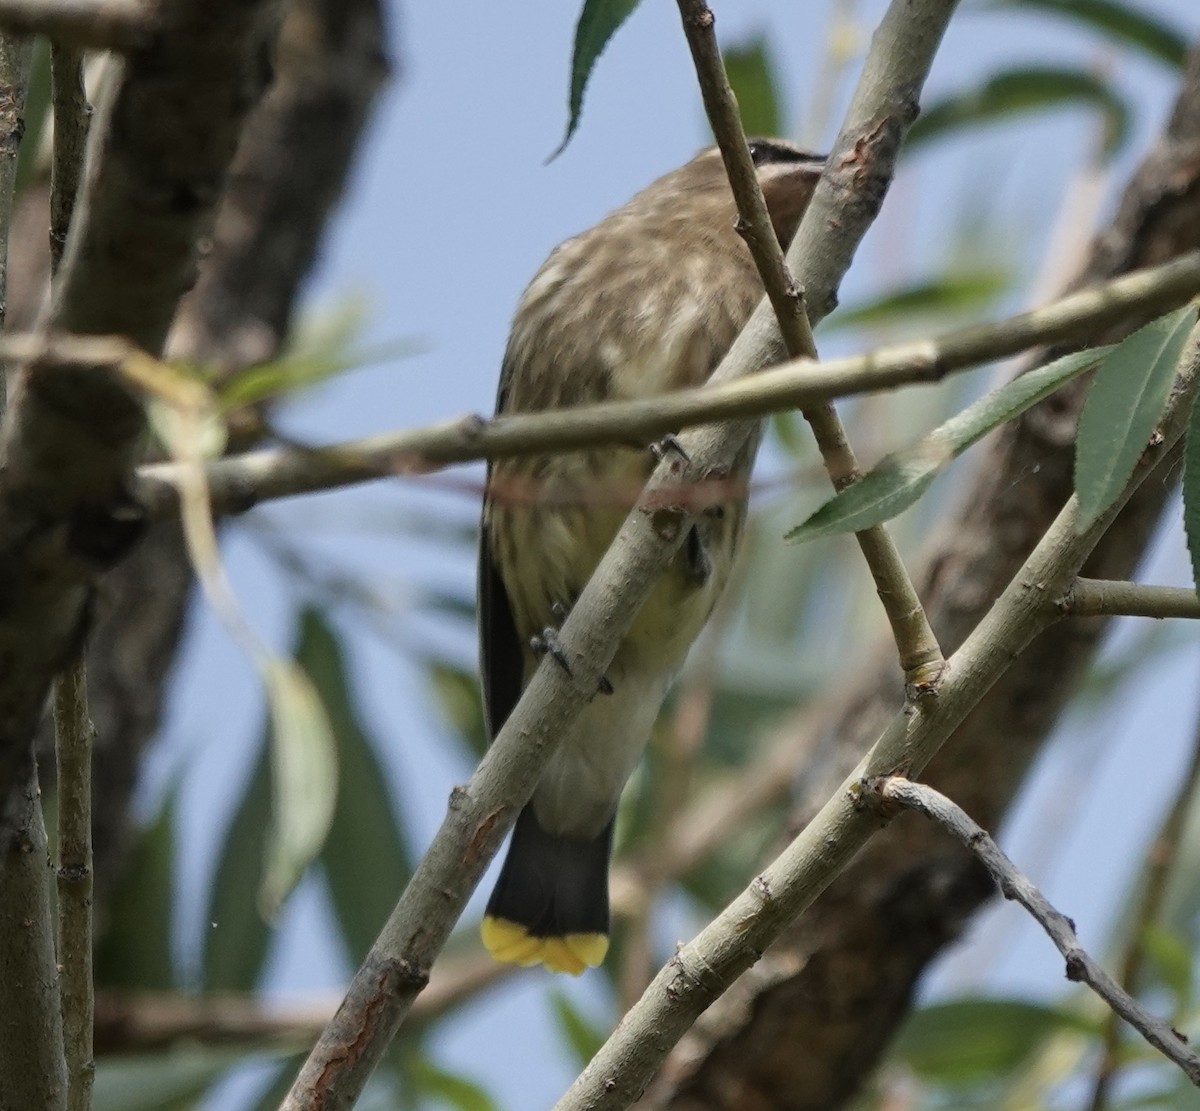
(303, 778)
(954, 292)
(457, 692)
(967, 1041)
(135, 951)
(1124, 24)
(598, 22)
(1013, 398)
(1022, 90)
(901, 478)
(1191, 491)
(236, 937)
(365, 859)
(754, 79)
(323, 349)
(447, 1088)
(1172, 960)
(1124, 404)
(884, 492)
(786, 426)
(582, 1035)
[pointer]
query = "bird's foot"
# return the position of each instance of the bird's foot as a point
(547, 643)
(669, 445)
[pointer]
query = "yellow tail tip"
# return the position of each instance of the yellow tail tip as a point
(512, 943)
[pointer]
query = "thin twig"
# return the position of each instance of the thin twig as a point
(32, 1065)
(71, 115)
(85, 24)
(74, 734)
(920, 655)
(74, 737)
(1161, 859)
(150, 1021)
(16, 54)
(1081, 967)
(240, 481)
(1107, 598)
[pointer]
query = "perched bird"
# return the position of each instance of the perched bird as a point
(648, 300)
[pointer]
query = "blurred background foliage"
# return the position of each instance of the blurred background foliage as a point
(798, 618)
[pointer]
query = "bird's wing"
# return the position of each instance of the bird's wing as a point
(501, 662)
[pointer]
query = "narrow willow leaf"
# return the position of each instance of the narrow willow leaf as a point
(1018, 91)
(786, 427)
(1122, 24)
(978, 1039)
(304, 777)
(1172, 962)
(582, 1035)
(900, 479)
(885, 491)
(236, 936)
(1013, 398)
(598, 22)
(457, 691)
(1191, 492)
(365, 859)
(276, 1092)
(754, 79)
(447, 1088)
(956, 291)
(1123, 405)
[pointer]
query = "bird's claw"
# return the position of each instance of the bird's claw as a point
(669, 445)
(546, 643)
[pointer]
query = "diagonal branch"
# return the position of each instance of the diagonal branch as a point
(1081, 966)
(241, 481)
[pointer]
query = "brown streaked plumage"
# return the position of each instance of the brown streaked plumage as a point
(648, 300)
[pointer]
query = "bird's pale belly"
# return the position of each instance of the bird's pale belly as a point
(548, 550)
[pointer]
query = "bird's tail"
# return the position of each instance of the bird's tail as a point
(551, 901)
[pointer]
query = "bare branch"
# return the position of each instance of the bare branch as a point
(31, 1035)
(75, 736)
(84, 24)
(15, 56)
(1103, 598)
(1081, 967)
(1161, 858)
(240, 481)
(141, 1022)
(71, 115)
